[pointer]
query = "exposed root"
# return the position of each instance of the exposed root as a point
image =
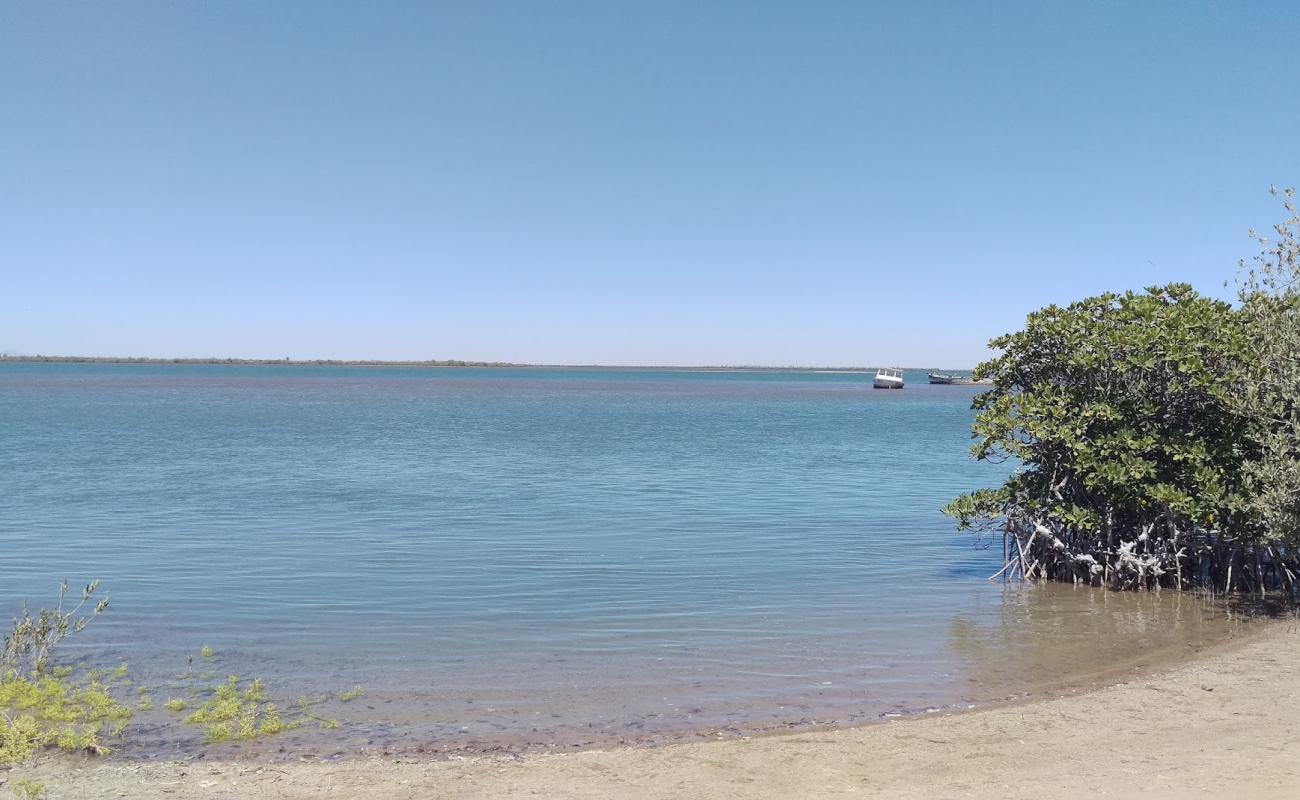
(1170, 559)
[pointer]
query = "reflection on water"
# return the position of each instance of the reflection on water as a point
(1020, 643)
(1054, 637)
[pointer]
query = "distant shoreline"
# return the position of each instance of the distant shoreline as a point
(330, 362)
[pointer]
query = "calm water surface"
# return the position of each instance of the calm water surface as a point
(524, 556)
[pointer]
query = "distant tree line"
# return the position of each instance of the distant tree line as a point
(331, 362)
(1155, 435)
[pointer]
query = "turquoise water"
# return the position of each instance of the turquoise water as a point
(517, 556)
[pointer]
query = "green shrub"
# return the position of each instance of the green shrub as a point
(28, 645)
(1118, 412)
(1269, 290)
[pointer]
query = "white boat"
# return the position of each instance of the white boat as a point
(888, 379)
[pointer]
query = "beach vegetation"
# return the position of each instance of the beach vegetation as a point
(78, 709)
(27, 789)
(306, 706)
(44, 705)
(43, 711)
(235, 711)
(238, 710)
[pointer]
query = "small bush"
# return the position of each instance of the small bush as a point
(44, 707)
(28, 645)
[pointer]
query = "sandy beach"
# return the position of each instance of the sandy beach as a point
(1226, 725)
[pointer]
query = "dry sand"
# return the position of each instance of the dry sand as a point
(1226, 726)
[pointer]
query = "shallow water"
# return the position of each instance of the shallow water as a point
(537, 556)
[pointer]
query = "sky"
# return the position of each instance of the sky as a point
(685, 183)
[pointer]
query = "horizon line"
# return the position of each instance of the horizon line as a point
(454, 362)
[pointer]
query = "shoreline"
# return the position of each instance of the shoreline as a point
(1225, 723)
(447, 729)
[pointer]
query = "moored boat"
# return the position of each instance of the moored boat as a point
(944, 379)
(888, 379)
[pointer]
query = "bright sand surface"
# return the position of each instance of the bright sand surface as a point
(1226, 725)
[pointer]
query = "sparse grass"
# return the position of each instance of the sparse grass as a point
(27, 789)
(239, 713)
(43, 705)
(305, 705)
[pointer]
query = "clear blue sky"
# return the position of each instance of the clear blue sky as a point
(617, 182)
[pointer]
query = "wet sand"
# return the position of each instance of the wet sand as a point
(1224, 725)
